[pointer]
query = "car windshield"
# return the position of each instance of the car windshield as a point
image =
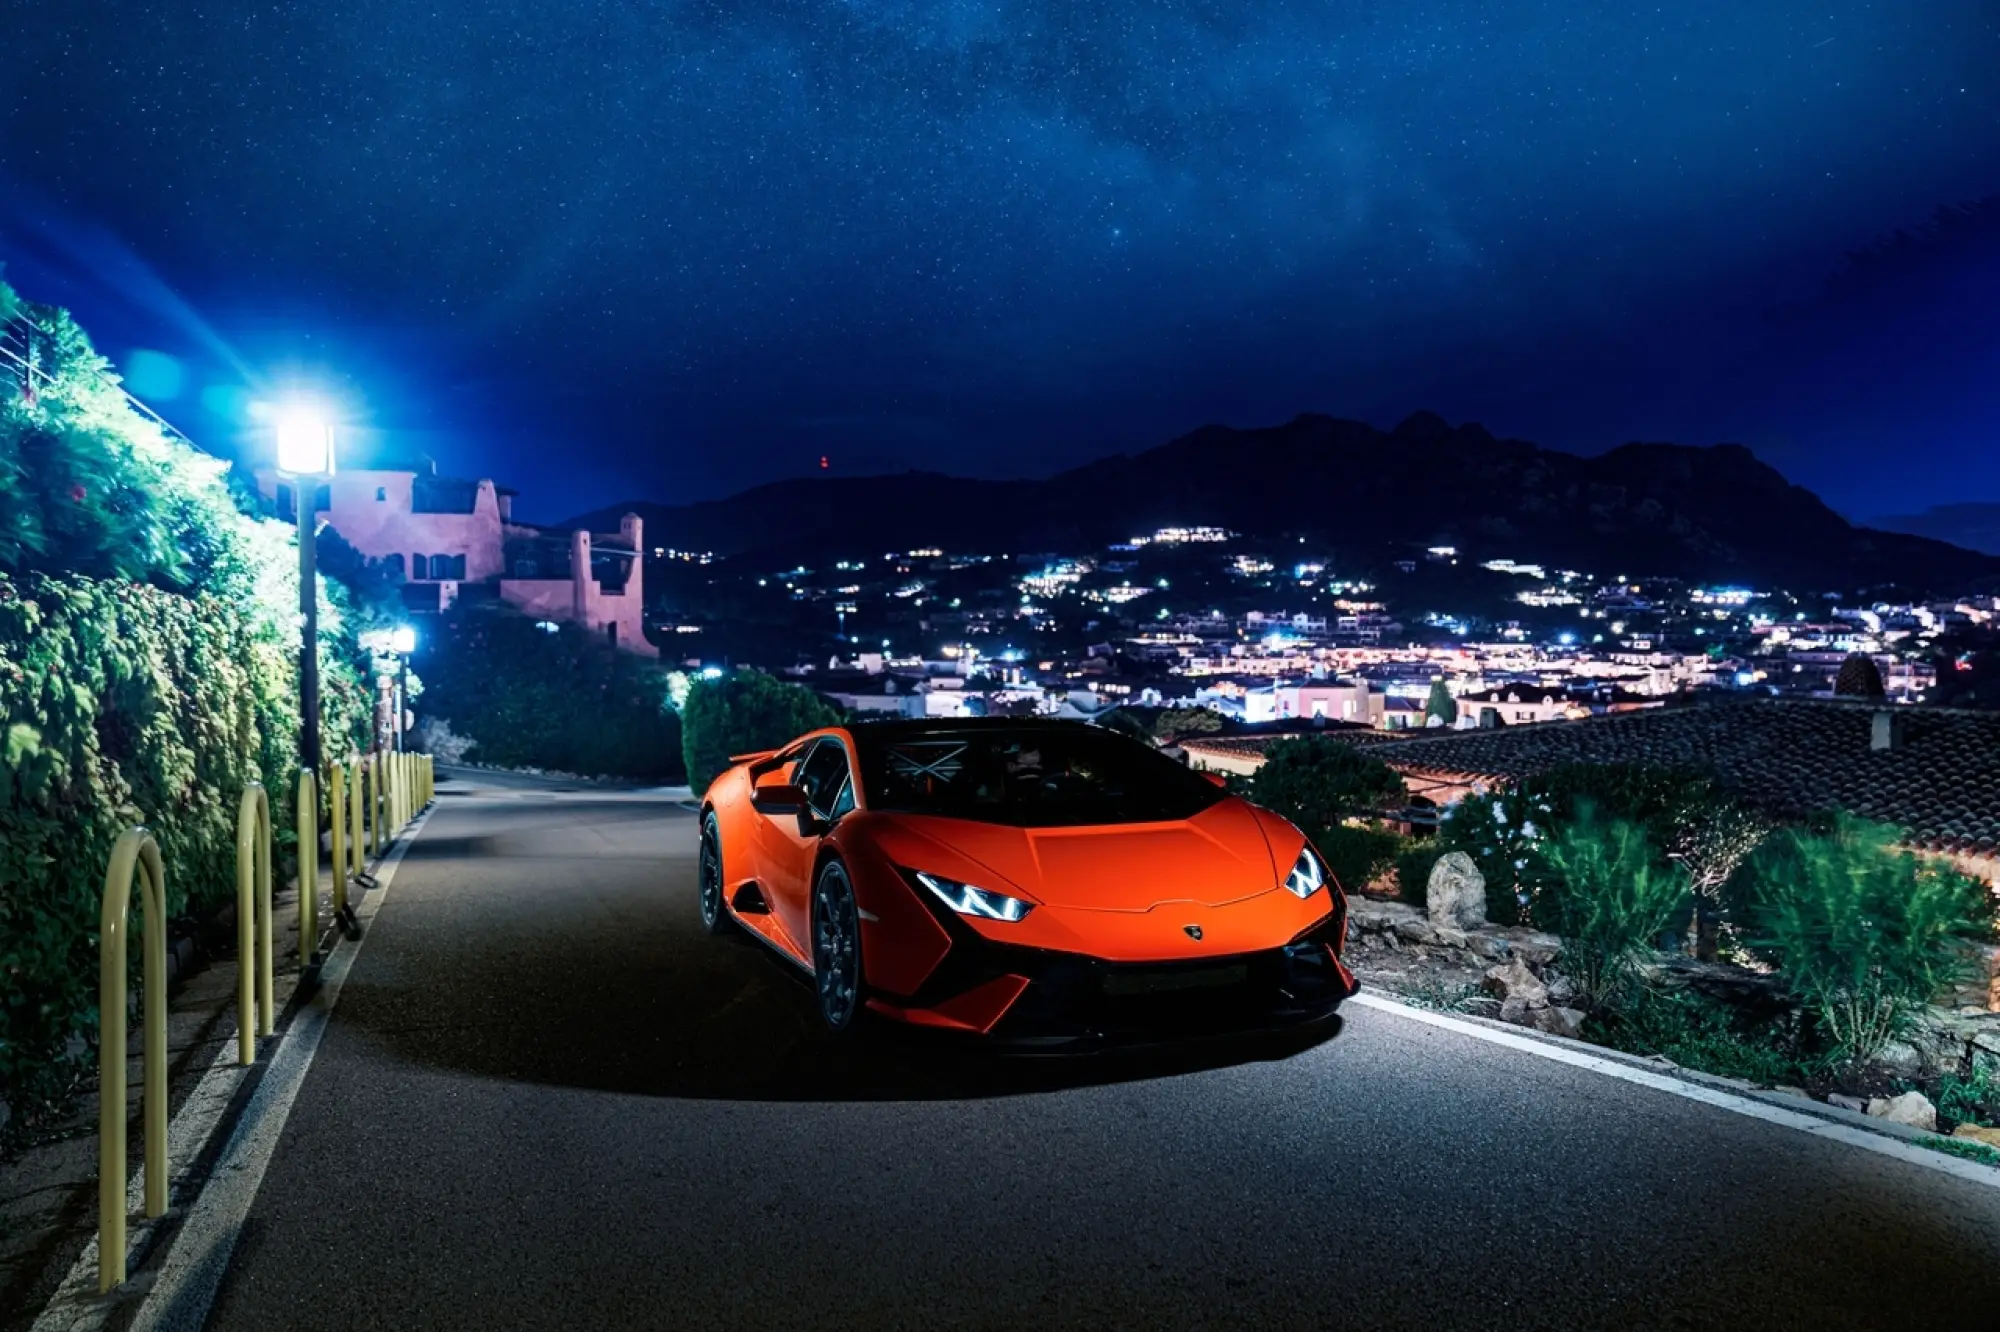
(1030, 777)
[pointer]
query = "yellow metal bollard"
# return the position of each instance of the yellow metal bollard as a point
(360, 852)
(336, 801)
(134, 852)
(308, 817)
(253, 922)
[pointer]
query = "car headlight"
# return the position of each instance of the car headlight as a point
(1308, 875)
(967, 900)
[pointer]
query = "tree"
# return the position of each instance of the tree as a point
(1441, 705)
(1319, 783)
(1859, 678)
(564, 701)
(742, 713)
(1179, 723)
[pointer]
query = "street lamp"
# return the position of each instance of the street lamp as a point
(305, 454)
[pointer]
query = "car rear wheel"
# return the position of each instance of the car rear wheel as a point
(836, 948)
(714, 915)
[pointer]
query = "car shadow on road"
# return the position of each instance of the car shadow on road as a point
(686, 1016)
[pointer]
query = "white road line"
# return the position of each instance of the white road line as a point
(1810, 1125)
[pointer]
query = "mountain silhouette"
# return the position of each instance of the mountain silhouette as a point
(1711, 513)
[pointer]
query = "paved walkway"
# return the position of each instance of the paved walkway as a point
(546, 1099)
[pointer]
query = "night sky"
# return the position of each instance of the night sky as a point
(667, 250)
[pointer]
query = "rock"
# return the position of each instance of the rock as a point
(1487, 946)
(1448, 937)
(1418, 931)
(1845, 1102)
(1456, 892)
(1900, 1060)
(1912, 1108)
(1978, 1133)
(1560, 989)
(1513, 981)
(1557, 1021)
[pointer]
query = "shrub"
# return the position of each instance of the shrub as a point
(1610, 898)
(1970, 1099)
(1180, 723)
(564, 701)
(148, 669)
(1504, 835)
(1861, 931)
(123, 704)
(1357, 855)
(1318, 782)
(1700, 1034)
(742, 713)
(1413, 871)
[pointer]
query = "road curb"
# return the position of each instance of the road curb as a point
(1796, 1112)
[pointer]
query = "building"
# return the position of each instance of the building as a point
(454, 540)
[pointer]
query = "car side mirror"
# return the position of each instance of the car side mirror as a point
(1216, 779)
(779, 798)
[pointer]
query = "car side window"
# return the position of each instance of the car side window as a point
(826, 780)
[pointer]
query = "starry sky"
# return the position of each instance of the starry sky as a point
(609, 249)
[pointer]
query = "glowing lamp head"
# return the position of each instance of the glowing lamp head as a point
(403, 639)
(305, 442)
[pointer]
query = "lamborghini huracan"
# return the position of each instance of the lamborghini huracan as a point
(1038, 882)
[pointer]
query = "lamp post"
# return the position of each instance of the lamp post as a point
(402, 641)
(305, 454)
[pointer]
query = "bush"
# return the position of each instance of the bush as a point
(1413, 871)
(742, 713)
(124, 704)
(1861, 931)
(1357, 855)
(563, 701)
(148, 669)
(1610, 898)
(1700, 1034)
(1503, 833)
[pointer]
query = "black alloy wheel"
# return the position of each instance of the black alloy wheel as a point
(836, 928)
(714, 915)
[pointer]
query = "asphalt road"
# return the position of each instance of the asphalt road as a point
(547, 1099)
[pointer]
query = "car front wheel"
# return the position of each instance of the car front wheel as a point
(714, 915)
(836, 948)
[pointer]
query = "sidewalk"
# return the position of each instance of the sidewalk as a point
(48, 1185)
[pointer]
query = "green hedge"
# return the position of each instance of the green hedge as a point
(124, 704)
(148, 650)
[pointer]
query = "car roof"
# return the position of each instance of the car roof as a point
(900, 728)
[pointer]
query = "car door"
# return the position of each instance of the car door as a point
(792, 842)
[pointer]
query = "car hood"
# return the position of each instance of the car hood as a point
(1219, 856)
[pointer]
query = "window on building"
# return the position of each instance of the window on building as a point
(448, 566)
(420, 565)
(381, 494)
(394, 564)
(611, 632)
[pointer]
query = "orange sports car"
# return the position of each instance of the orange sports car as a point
(1043, 883)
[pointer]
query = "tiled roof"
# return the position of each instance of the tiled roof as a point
(1941, 780)
(1255, 746)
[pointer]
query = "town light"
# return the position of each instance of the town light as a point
(403, 639)
(305, 441)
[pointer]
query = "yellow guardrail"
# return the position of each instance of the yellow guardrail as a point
(135, 853)
(308, 826)
(355, 836)
(336, 800)
(254, 980)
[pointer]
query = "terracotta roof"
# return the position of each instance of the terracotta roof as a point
(1255, 746)
(1941, 780)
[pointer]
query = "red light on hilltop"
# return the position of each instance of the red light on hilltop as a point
(823, 464)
